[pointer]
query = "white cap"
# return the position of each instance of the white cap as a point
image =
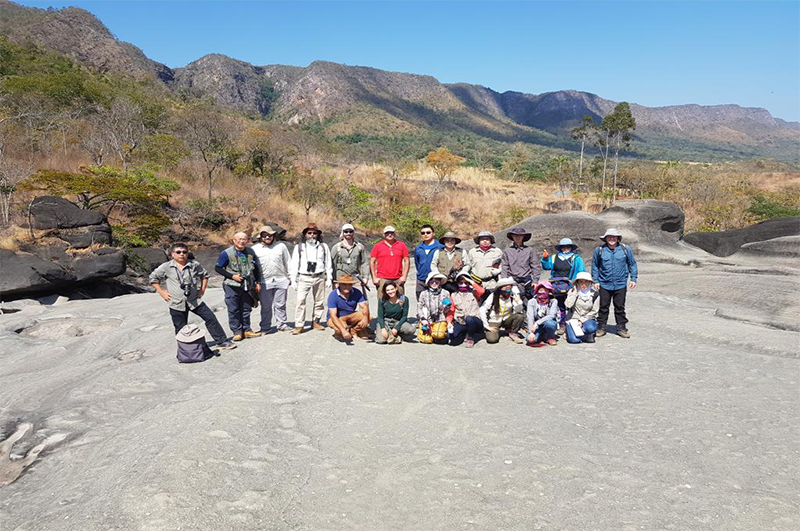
(346, 226)
(389, 228)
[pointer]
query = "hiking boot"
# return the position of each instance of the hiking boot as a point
(621, 332)
(317, 326)
(252, 334)
(561, 330)
(238, 337)
(516, 338)
(297, 331)
(469, 342)
(600, 332)
(552, 342)
(226, 345)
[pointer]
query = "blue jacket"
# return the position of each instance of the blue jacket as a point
(612, 268)
(577, 265)
(423, 260)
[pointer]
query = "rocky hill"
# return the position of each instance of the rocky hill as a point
(355, 99)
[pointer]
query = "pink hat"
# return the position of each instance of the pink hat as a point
(546, 285)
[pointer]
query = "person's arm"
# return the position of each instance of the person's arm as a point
(222, 261)
(417, 257)
(157, 277)
(364, 269)
(547, 261)
(505, 266)
(633, 268)
(294, 265)
(552, 312)
(286, 259)
(596, 267)
(572, 296)
(536, 267)
(381, 321)
(406, 266)
(579, 266)
(373, 264)
(256, 266)
(404, 315)
(530, 315)
(328, 266)
(337, 323)
(434, 261)
(203, 286)
(485, 309)
(595, 309)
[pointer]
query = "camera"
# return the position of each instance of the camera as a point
(311, 267)
(187, 289)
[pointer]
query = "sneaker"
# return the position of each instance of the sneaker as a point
(600, 332)
(297, 331)
(552, 342)
(284, 328)
(516, 338)
(238, 337)
(621, 332)
(226, 345)
(252, 334)
(469, 342)
(317, 326)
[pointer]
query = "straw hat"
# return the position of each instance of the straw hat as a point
(345, 279)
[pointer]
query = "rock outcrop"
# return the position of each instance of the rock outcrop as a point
(726, 243)
(655, 221)
(27, 274)
(78, 227)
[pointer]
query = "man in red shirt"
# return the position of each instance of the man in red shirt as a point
(389, 261)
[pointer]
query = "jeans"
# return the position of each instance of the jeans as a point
(181, 318)
(240, 304)
(512, 324)
(589, 328)
(561, 299)
(618, 297)
(471, 328)
(545, 331)
(273, 298)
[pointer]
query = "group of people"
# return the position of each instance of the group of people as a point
(462, 295)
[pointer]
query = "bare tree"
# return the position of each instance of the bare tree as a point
(94, 140)
(208, 133)
(125, 128)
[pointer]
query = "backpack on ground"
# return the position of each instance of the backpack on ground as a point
(192, 346)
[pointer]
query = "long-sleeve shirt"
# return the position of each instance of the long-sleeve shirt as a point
(507, 308)
(521, 262)
(430, 307)
(485, 264)
(274, 262)
(423, 257)
(304, 254)
(396, 311)
(582, 307)
(350, 260)
(612, 268)
(577, 265)
(465, 304)
(538, 314)
(171, 277)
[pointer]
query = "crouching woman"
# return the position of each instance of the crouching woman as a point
(465, 313)
(542, 316)
(582, 303)
(503, 309)
(392, 315)
(432, 310)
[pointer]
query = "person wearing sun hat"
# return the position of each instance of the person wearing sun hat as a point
(465, 312)
(484, 260)
(432, 309)
(389, 260)
(563, 265)
(348, 256)
(520, 262)
(311, 272)
(448, 260)
(273, 258)
(348, 310)
(503, 309)
(614, 271)
(583, 303)
(542, 316)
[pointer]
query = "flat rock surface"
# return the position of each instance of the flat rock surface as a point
(691, 424)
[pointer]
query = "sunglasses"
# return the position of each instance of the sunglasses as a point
(181, 252)
(426, 232)
(349, 232)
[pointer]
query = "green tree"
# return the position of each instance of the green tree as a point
(618, 126)
(163, 150)
(443, 162)
(560, 168)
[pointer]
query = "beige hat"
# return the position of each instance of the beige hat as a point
(505, 282)
(389, 228)
(190, 333)
(433, 275)
(449, 234)
(268, 230)
(583, 275)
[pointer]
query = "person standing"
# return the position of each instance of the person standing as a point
(310, 271)
(349, 256)
(239, 265)
(273, 259)
(484, 260)
(348, 310)
(423, 256)
(389, 260)
(520, 262)
(181, 276)
(613, 265)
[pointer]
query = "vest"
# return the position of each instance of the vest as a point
(445, 264)
(235, 267)
(562, 268)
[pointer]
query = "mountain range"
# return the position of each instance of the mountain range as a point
(349, 100)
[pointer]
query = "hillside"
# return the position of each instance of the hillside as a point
(347, 100)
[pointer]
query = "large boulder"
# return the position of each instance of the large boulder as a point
(83, 237)
(99, 265)
(784, 247)
(547, 229)
(651, 220)
(51, 212)
(25, 274)
(149, 258)
(726, 243)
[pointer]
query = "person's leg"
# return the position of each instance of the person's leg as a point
(589, 329)
(318, 291)
(232, 302)
(492, 337)
(354, 322)
(620, 318)
(212, 324)
(408, 330)
(459, 334)
(571, 337)
(605, 304)
(420, 288)
(514, 323)
(548, 330)
(379, 335)
(561, 299)
(179, 318)
(279, 306)
(266, 298)
(303, 288)
(247, 309)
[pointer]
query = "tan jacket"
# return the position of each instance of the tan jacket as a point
(582, 309)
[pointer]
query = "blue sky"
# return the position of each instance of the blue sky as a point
(652, 53)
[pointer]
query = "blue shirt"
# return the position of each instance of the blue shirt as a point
(612, 268)
(423, 256)
(345, 306)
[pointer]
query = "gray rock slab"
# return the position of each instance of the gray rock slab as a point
(51, 212)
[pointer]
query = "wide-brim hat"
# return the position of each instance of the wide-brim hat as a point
(434, 274)
(505, 282)
(464, 273)
(190, 333)
(312, 226)
(266, 229)
(345, 279)
(519, 231)
(483, 234)
(449, 234)
(611, 232)
(566, 242)
(583, 275)
(546, 285)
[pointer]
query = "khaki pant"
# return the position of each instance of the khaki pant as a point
(512, 325)
(352, 324)
(315, 285)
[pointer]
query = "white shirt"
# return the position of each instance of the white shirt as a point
(319, 254)
(274, 261)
